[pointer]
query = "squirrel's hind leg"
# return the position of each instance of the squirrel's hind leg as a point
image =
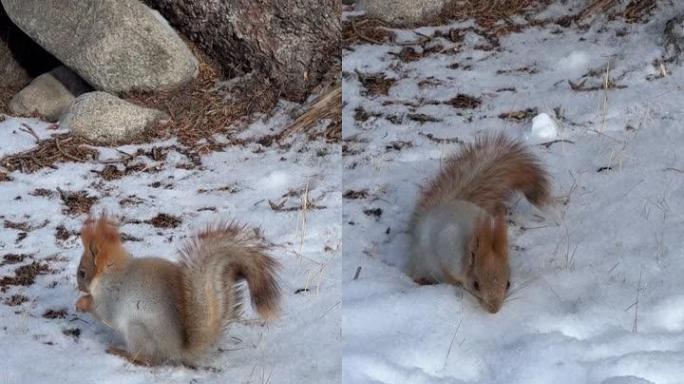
(133, 359)
(146, 346)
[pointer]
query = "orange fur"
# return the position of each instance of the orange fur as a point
(486, 173)
(202, 290)
(500, 242)
(102, 240)
(220, 256)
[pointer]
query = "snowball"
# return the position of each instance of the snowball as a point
(574, 62)
(544, 127)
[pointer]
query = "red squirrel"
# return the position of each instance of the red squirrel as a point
(458, 228)
(173, 312)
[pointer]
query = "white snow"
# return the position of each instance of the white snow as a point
(612, 239)
(17, 133)
(303, 346)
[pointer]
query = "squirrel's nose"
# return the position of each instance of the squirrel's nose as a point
(492, 306)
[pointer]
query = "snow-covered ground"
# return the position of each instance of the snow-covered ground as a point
(597, 291)
(303, 346)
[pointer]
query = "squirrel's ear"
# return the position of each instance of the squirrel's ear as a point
(500, 244)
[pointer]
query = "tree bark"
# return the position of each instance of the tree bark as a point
(291, 44)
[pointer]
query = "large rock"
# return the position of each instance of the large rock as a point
(403, 12)
(49, 94)
(115, 45)
(12, 74)
(107, 119)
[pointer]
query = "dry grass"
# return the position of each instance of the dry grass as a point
(595, 7)
(638, 10)
(49, 152)
(198, 111)
(488, 13)
(327, 106)
(365, 30)
(202, 108)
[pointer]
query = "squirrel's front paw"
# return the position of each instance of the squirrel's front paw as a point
(84, 303)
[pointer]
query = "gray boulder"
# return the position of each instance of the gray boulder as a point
(403, 12)
(115, 45)
(106, 119)
(12, 74)
(49, 94)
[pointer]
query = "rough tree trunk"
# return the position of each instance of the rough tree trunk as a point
(292, 44)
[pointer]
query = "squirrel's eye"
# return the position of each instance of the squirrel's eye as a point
(476, 285)
(508, 285)
(81, 273)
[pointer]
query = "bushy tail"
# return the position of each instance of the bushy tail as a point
(487, 172)
(212, 262)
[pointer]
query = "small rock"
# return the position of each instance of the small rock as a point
(401, 12)
(107, 119)
(115, 45)
(49, 94)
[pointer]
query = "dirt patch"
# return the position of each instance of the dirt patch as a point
(24, 275)
(361, 115)
(409, 54)
(463, 101)
(376, 212)
(19, 226)
(301, 195)
(111, 172)
(164, 220)
(76, 202)
(376, 84)
(127, 237)
(43, 192)
(358, 30)
(24, 226)
(519, 116)
(13, 258)
(638, 11)
(55, 314)
(440, 140)
(16, 300)
(131, 201)
(422, 118)
(528, 70)
(352, 194)
(63, 234)
(73, 332)
(398, 145)
(230, 188)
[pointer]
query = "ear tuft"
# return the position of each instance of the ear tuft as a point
(101, 238)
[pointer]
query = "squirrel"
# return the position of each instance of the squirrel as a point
(458, 229)
(173, 312)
